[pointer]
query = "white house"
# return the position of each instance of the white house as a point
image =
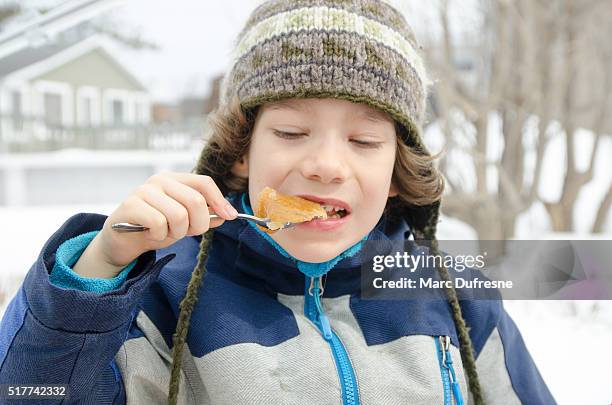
(68, 84)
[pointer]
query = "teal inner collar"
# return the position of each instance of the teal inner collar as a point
(309, 269)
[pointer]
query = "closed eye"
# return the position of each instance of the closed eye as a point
(288, 135)
(366, 144)
(296, 135)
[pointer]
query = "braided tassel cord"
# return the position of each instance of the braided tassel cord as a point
(186, 306)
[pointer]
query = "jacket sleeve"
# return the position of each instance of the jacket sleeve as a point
(55, 335)
(506, 371)
(66, 257)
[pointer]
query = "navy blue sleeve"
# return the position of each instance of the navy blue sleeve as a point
(55, 335)
(506, 370)
(526, 379)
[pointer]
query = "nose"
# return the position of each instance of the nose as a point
(325, 162)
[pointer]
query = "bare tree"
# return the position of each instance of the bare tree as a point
(107, 25)
(8, 11)
(580, 45)
(529, 76)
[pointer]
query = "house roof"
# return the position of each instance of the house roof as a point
(57, 20)
(28, 56)
(26, 61)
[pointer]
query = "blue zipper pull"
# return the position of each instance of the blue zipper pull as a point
(448, 363)
(327, 334)
(317, 291)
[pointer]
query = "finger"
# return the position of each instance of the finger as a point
(192, 200)
(144, 214)
(209, 189)
(215, 222)
(176, 215)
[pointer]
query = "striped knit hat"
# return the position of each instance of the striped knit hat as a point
(358, 50)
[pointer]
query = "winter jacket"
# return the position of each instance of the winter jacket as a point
(259, 332)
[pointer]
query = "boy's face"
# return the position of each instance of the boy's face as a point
(323, 149)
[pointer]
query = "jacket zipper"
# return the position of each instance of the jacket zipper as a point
(449, 379)
(314, 311)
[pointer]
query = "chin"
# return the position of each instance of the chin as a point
(316, 254)
(314, 258)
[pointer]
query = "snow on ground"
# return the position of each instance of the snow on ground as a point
(29, 228)
(569, 341)
(25, 231)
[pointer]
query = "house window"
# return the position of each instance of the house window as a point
(17, 114)
(142, 115)
(16, 103)
(53, 109)
(53, 103)
(118, 112)
(86, 106)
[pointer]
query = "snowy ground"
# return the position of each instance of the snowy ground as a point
(25, 231)
(569, 341)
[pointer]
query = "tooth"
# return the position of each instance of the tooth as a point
(330, 208)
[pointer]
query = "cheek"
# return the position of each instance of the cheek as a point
(266, 154)
(376, 194)
(377, 172)
(267, 167)
(375, 184)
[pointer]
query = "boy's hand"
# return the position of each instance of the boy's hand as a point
(171, 205)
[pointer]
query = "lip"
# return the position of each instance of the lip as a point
(328, 201)
(328, 224)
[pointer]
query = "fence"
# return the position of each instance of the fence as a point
(28, 135)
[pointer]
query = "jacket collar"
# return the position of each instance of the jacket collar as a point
(258, 243)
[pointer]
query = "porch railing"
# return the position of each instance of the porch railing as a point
(27, 135)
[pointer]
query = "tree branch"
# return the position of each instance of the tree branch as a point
(602, 212)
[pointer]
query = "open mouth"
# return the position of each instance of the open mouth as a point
(334, 208)
(334, 212)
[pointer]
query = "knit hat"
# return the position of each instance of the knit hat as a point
(357, 50)
(362, 51)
